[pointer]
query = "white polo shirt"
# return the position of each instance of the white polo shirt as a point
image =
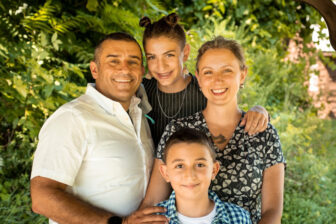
(92, 145)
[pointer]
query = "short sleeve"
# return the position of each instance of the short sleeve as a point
(61, 148)
(274, 154)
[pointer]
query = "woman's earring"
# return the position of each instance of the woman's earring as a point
(185, 70)
(242, 85)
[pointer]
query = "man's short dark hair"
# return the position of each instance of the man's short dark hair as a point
(188, 135)
(114, 36)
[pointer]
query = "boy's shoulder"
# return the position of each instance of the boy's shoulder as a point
(231, 212)
(169, 204)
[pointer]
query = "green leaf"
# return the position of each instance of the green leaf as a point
(20, 86)
(92, 5)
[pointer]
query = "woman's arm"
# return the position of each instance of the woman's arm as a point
(158, 189)
(272, 194)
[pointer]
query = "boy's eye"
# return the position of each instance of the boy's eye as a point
(200, 165)
(179, 166)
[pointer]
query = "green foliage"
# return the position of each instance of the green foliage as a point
(45, 50)
(46, 47)
(310, 149)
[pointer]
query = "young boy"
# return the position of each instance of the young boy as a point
(190, 165)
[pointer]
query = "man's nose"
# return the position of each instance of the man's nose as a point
(124, 66)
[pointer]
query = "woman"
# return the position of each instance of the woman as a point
(252, 167)
(171, 92)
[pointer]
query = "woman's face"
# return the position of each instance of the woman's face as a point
(219, 76)
(165, 60)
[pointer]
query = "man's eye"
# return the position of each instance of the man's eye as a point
(114, 62)
(227, 71)
(170, 55)
(133, 63)
(179, 166)
(207, 72)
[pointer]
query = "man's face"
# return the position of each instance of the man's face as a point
(118, 71)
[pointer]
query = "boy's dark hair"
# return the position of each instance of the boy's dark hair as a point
(166, 26)
(188, 135)
(114, 36)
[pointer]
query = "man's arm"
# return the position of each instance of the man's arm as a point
(50, 199)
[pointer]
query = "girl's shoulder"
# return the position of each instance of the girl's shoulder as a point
(148, 81)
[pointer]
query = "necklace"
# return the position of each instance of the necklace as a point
(160, 106)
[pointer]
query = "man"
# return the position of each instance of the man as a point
(94, 156)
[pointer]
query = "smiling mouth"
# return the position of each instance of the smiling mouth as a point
(122, 80)
(164, 75)
(190, 186)
(219, 91)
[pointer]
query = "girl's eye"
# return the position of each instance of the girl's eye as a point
(150, 57)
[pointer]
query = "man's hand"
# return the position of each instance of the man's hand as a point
(147, 215)
(255, 120)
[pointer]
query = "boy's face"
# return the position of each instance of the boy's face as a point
(189, 168)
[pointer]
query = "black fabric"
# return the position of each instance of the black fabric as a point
(242, 162)
(170, 102)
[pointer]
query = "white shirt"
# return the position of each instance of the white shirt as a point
(92, 145)
(207, 219)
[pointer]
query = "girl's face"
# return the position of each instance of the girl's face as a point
(165, 60)
(219, 76)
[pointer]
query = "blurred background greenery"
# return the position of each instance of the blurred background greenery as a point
(46, 46)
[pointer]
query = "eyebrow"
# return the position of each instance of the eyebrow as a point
(116, 56)
(170, 51)
(181, 160)
(207, 67)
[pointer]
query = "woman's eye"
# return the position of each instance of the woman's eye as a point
(227, 70)
(207, 73)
